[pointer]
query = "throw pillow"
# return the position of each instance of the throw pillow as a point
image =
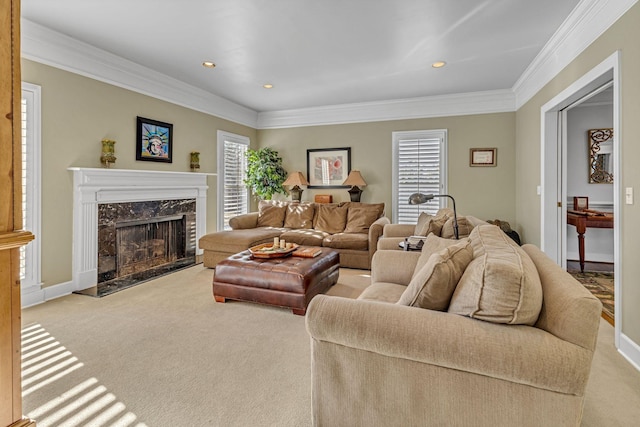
(464, 228)
(271, 214)
(299, 215)
(432, 244)
(360, 218)
(330, 218)
(422, 221)
(433, 285)
(501, 284)
(433, 224)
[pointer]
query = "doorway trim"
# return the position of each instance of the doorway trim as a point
(554, 164)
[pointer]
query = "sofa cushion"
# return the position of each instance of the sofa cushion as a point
(358, 241)
(330, 218)
(383, 292)
(304, 236)
(237, 240)
(360, 218)
(432, 286)
(464, 228)
(432, 244)
(378, 207)
(271, 213)
(299, 215)
(501, 284)
(431, 224)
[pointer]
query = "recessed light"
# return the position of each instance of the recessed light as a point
(267, 86)
(438, 64)
(208, 64)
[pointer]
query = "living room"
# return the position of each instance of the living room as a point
(80, 110)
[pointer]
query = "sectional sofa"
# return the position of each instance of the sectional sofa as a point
(351, 228)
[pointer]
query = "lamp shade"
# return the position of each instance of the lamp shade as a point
(295, 178)
(355, 178)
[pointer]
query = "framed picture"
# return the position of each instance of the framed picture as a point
(580, 203)
(328, 167)
(483, 157)
(154, 141)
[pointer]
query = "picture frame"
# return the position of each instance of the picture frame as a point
(328, 167)
(580, 203)
(154, 140)
(483, 157)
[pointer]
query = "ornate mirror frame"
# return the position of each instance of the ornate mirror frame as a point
(600, 156)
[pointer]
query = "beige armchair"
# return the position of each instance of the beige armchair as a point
(383, 364)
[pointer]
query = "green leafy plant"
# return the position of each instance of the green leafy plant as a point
(265, 173)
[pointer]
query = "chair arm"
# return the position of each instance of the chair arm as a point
(248, 220)
(393, 266)
(515, 353)
(398, 230)
(375, 231)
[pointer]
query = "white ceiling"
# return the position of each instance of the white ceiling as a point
(316, 53)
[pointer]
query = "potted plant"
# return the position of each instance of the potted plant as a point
(265, 173)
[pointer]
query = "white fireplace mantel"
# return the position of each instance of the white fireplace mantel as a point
(92, 186)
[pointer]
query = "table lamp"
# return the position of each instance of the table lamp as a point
(296, 179)
(355, 179)
(419, 198)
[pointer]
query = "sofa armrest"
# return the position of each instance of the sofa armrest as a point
(398, 230)
(516, 353)
(248, 220)
(375, 231)
(393, 266)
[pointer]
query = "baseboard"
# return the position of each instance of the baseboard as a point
(630, 350)
(592, 257)
(46, 294)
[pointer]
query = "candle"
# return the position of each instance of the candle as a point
(283, 244)
(276, 242)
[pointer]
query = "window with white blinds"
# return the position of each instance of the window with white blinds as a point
(419, 166)
(30, 254)
(233, 195)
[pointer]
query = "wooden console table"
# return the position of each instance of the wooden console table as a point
(587, 219)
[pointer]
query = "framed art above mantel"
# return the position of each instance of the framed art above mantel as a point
(328, 167)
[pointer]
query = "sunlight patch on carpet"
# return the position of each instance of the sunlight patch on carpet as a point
(45, 361)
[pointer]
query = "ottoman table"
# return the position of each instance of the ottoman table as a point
(285, 282)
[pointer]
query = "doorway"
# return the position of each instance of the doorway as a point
(553, 192)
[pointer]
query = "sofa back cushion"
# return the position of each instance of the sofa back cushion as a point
(464, 228)
(501, 284)
(330, 217)
(271, 213)
(360, 218)
(299, 215)
(433, 285)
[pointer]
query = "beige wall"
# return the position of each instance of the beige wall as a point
(485, 192)
(77, 113)
(623, 36)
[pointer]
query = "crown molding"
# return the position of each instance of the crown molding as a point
(588, 21)
(460, 104)
(52, 48)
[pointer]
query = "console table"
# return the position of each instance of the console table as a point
(587, 219)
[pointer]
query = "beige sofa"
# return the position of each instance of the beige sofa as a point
(351, 228)
(513, 347)
(441, 224)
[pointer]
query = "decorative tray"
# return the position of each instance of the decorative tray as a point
(266, 250)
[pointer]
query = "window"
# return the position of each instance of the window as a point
(419, 166)
(30, 254)
(233, 195)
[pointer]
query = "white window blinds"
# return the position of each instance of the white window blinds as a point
(419, 162)
(233, 195)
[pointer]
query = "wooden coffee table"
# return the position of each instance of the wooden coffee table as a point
(289, 282)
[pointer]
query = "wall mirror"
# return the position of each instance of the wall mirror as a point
(600, 156)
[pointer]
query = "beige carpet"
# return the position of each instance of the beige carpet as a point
(164, 353)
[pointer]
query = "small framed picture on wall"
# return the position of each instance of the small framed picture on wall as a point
(483, 157)
(154, 140)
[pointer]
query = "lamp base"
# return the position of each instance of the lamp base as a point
(355, 193)
(296, 193)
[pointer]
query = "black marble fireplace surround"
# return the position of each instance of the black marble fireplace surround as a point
(138, 241)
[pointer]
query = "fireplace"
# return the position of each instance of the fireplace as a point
(138, 241)
(130, 226)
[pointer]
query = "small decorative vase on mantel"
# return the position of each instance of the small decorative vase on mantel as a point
(108, 156)
(195, 161)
